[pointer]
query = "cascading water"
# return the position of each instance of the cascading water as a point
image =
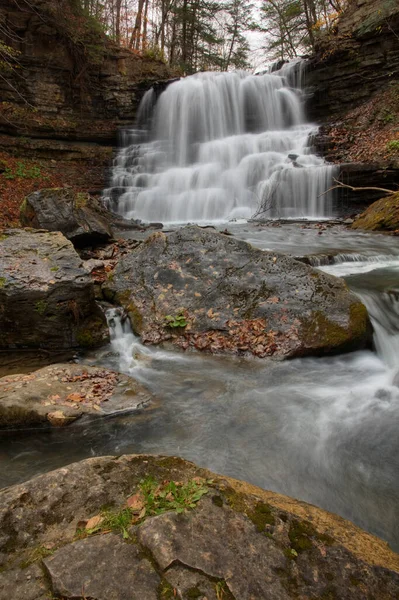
(218, 146)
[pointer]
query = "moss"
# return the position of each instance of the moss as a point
(3, 236)
(302, 534)
(194, 592)
(88, 336)
(261, 514)
(23, 206)
(359, 319)
(136, 318)
(381, 215)
(41, 307)
(320, 331)
(54, 269)
(3, 281)
(166, 591)
(81, 199)
(85, 339)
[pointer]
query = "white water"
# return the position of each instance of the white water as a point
(218, 145)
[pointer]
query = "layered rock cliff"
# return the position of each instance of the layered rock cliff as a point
(354, 85)
(63, 96)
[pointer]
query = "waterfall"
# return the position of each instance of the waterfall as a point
(216, 146)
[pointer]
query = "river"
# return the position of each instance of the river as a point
(322, 430)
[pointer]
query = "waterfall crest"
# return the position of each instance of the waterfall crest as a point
(217, 146)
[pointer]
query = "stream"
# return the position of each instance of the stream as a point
(323, 430)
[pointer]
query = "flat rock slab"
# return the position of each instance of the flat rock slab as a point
(78, 216)
(103, 567)
(257, 561)
(46, 296)
(59, 394)
(237, 542)
(199, 288)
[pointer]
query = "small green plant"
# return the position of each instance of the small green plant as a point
(23, 171)
(393, 146)
(178, 320)
(151, 499)
(171, 495)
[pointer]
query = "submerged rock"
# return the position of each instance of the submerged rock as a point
(198, 288)
(381, 215)
(232, 540)
(59, 394)
(77, 215)
(46, 296)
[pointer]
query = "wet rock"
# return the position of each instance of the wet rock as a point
(238, 541)
(198, 288)
(104, 568)
(381, 215)
(59, 394)
(77, 215)
(46, 297)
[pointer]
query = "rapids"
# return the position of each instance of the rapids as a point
(217, 146)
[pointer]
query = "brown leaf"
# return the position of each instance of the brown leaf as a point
(94, 522)
(136, 502)
(75, 397)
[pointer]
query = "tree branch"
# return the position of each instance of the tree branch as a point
(356, 189)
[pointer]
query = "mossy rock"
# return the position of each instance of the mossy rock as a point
(382, 215)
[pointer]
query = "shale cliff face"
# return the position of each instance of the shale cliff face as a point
(67, 69)
(63, 96)
(353, 82)
(358, 61)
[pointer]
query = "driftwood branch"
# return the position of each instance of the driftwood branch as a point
(356, 189)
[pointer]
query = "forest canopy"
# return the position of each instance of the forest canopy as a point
(192, 35)
(196, 35)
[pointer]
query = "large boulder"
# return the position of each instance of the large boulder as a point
(77, 215)
(46, 296)
(61, 393)
(212, 537)
(381, 215)
(199, 288)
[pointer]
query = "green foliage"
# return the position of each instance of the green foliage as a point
(393, 146)
(171, 495)
(23, 171)
(154, 53)
(152, 499)
(178, 320)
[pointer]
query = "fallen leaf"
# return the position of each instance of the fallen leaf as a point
(94, 522)
(136, 502)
